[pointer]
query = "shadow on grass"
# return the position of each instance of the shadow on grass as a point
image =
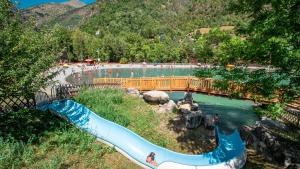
(29, 125)
(195, 141)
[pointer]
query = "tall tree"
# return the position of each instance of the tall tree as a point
(273, 39)
(25, 54)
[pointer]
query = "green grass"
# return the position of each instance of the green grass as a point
(34, 139)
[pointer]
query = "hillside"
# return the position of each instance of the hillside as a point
(135, 31)
(69, 14)
(151, 18)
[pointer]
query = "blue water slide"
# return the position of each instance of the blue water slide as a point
(230, 152)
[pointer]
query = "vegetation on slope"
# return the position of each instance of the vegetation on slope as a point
(135, 31)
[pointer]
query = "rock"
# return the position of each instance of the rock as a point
(185, 108)
(188, 97)
(246, 133)
(167, 107)
(208, 121)
(156, 97)
(271, 124)
(193, 119)
(195, 107)
(133, 91)
(264, 139)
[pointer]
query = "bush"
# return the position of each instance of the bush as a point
(273, 111)
(123, 60)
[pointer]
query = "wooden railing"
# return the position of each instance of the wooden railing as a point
(176, 83)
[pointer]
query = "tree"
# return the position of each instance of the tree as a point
(25, 54)
(232, 51)
(203, 50)
(63, 41)
(78, 43)
(272, 40)
(273, 32)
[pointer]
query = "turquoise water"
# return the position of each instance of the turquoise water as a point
(233, 113)
(23, 4)
(88, 76)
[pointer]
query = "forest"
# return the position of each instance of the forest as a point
(151, 31)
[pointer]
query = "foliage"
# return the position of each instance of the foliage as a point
(273, 111)
(153, 31)
(123, 61)
(272, 40)
(262, 84)
(232, 51)
(25, 54)
(273, 32)
(203, 50)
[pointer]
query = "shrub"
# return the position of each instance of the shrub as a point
(123, 60)
(273, 111)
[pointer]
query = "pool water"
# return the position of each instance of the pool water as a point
(233, 113)
(23, 4)
(88, 76)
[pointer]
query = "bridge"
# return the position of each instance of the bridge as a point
(172, 83)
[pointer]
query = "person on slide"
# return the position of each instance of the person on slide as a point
(151, 159)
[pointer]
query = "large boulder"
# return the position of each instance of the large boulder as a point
(167, 107)
(158, 97)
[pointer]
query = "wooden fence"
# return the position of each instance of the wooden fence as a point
(16, 102)
(70, 90)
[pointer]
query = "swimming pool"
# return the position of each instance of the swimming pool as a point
(23, 4)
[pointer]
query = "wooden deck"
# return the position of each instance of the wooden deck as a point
(176, 83)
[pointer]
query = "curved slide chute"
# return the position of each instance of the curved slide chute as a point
(230, 152)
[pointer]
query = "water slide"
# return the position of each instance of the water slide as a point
(230, 152)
